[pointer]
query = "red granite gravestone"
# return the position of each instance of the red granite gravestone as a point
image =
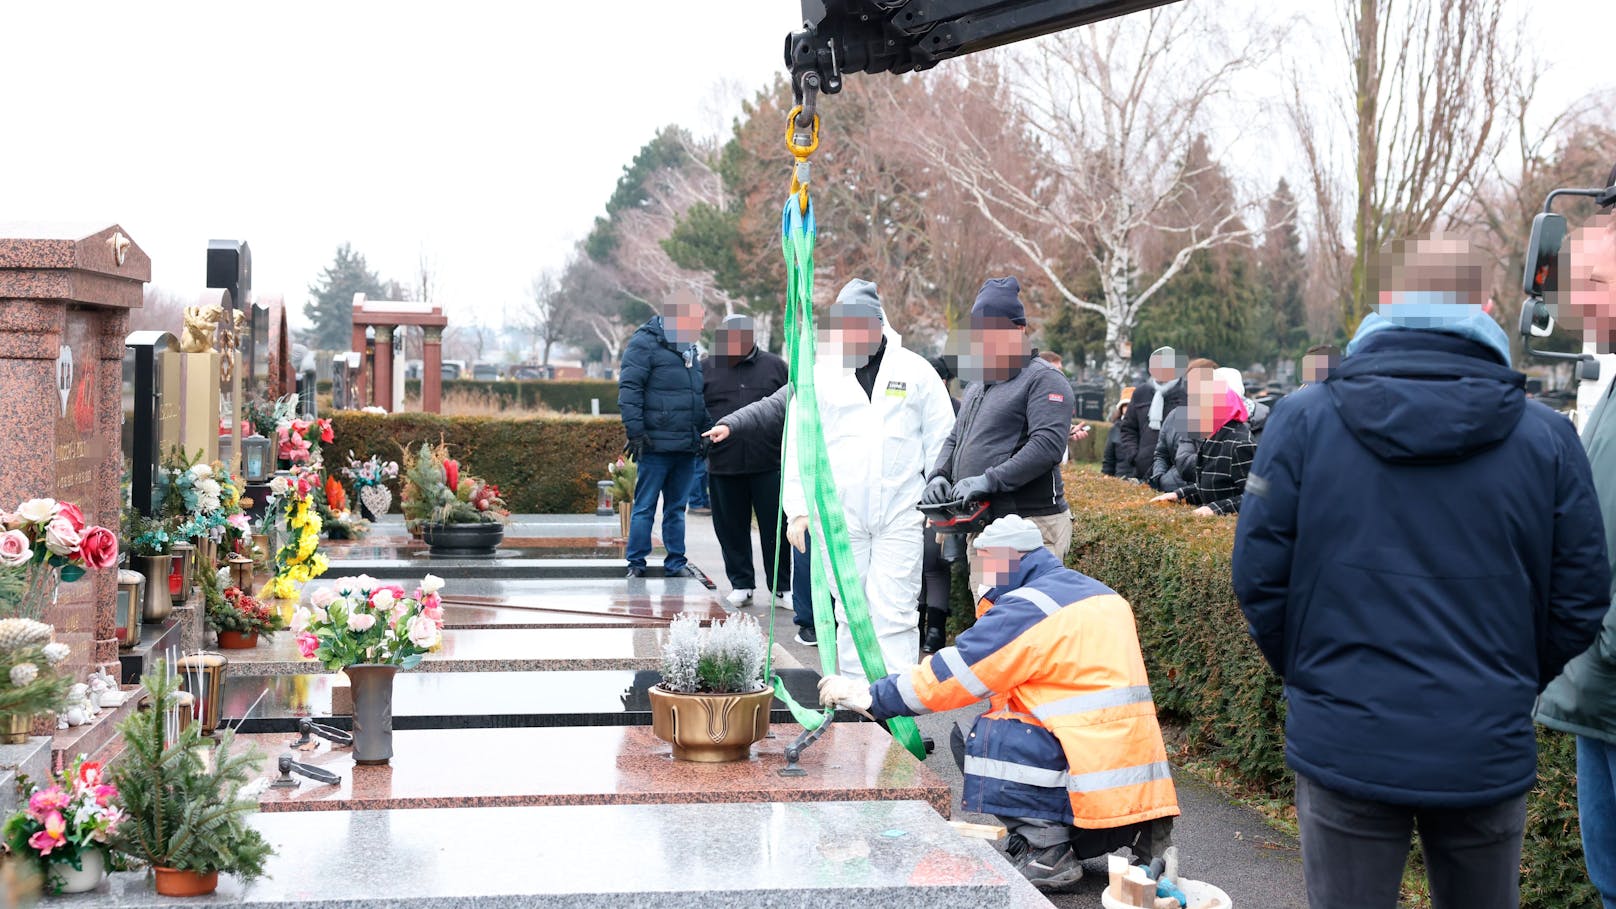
(65, 293)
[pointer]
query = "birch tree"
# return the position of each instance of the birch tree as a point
(1111, 111)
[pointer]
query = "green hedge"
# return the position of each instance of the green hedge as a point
(564, 395)
(546, 465)
(1093, 447)
(1208, 676)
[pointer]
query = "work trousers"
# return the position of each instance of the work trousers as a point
(1056, 530)
(887, 559)
(665, 475)
(1596, 806)
(1354, 850)
(737, 498)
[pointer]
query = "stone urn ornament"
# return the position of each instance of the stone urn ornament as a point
(713, 704)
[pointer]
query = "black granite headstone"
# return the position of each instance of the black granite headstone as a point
(151, 410)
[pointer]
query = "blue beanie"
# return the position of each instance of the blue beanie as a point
(999, 298)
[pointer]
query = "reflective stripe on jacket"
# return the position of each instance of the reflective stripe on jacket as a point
(1071, 734)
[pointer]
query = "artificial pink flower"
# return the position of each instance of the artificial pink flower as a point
(307, 644)
(99, 548)
(104, 795)
(61, 538)
(423, 632)
(45, 801)
(52, 836)
(15, 549)
(72, 513)
(361, 622)
(435, 613)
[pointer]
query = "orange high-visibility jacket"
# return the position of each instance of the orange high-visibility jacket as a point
(1072, 733)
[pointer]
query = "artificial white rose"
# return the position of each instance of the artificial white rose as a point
(300, 619)
(361, 622)
(383, 600)
(37, 511)
(61, 538)
(431, 584)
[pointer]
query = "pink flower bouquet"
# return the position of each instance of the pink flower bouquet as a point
(360, 620)
(44, 539)
(75, 815)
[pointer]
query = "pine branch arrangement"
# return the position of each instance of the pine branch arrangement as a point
(29, 682)
(185, 812)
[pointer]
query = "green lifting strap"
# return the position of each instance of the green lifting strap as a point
(828, 524)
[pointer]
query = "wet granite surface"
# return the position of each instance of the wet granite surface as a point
(598, 765)
(478, 700)
(879, 855)
(486, 650)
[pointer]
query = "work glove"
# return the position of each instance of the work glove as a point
(972, 489)
(938, 492)
(797, 534)
(635, 448)
(838, 691)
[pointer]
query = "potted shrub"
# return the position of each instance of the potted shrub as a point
(185, 816)
(29, 682)
(369, 631)
(66, 827)
(456, 513)
(240, 618)
(712, 703)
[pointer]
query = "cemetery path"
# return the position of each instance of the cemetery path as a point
(1229, 845)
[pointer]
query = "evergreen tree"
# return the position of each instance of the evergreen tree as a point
(1281, 266)
(330, 311)
(1208, 310)
(666, 149)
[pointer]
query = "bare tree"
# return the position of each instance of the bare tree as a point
(1111, 111)
(160, 310)
(552, 315)
(1428, 80)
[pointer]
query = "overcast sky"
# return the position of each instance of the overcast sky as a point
(483, 136)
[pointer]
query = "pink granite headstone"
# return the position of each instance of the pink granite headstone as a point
(65, 294)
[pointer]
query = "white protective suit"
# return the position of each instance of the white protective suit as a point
(880, 447)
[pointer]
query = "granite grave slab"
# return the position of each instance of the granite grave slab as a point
(597, 765)
(487, 650)
(851, 855)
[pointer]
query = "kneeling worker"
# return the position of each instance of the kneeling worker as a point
(1069, 757)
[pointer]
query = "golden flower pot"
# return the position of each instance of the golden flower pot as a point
(202, 674)
(710, 728)
(15, 728)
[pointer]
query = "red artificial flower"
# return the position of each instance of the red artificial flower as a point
(98, 547)
(335, 496)
(451, 473)
(326, 435)
(89, 775)
(73, 514)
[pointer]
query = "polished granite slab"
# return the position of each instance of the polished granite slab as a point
(475, 700)
(597, 765)
(659, 608)
(368, 549)
(512, 566)
(499, 586)
(857, 855)
(487, 650)
(457, 617)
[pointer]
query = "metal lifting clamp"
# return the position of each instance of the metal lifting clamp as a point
(795, 749)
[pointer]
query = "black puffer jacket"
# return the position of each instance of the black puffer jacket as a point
(729, 385)
(1176, 452)
(1137, 447)
(659, 392)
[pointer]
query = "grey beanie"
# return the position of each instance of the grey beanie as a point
(858, 299)
(1013, 531)
(737, 322)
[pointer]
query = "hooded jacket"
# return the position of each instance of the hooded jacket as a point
(1014, 433)
(730, 384)
(1176, 453)
(1136, 448)
(659, 392)
(1419, 552)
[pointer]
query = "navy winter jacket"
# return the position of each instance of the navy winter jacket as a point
(1419, 552)
(659, 392)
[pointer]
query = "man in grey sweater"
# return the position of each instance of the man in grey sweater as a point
(1009, 439)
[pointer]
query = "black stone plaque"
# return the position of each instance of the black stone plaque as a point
(151, 411)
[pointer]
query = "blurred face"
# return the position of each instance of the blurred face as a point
(1000, 346)
(1165, 368)
(681, 322)
(999, 565)
(735, 342)
(1205, 391)
(1316, 367)
(858, 337)
(1588, 302)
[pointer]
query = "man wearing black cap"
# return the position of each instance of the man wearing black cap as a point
(745, 476)
(1010, 436)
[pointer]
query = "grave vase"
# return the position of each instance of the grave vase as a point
(92, 868)
(159, 602)
(710, 728)
(14, 728)
(625, 511)
(372, 686)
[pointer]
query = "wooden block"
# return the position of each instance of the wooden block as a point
(978, 831)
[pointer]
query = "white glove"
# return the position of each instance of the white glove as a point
(837, 691)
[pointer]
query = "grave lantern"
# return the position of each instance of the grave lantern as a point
(202, 674)
(131, 596)
(179, 572)
(255, 459)
(603, 499)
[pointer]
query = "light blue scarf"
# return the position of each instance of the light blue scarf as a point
(1436, 311)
